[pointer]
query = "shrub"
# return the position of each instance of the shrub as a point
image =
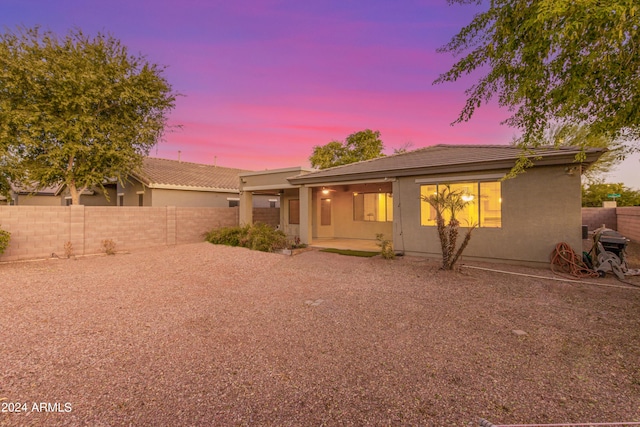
(68, 250)
(5, 236)
(386, 247)
(258, 237)
(109, 247)
(230, 236)
(296, 243)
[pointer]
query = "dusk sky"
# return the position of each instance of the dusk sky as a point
(262, 82)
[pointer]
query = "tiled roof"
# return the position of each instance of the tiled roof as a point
(176, 174)
(35, 190)
(444, 158)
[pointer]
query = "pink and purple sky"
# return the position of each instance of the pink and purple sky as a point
(264, 81)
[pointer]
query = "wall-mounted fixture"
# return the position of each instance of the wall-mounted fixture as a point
(571, 170)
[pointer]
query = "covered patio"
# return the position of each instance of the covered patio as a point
(342, 214)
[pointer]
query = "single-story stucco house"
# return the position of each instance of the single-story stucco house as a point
(519, 219)
(159, 182)
(163, 182)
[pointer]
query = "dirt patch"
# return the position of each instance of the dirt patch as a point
(213, 335)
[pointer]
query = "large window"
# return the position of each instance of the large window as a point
(372, 207)
(484, 206)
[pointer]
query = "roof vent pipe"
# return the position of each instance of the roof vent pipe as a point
(179, 153)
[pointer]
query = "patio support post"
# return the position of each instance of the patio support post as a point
(306, 215)
(397, 238)
(246, 208)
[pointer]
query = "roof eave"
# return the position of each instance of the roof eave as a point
(561, 158)
(192, 188)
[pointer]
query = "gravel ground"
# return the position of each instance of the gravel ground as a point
(212, 335)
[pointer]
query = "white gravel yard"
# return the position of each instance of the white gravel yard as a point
(206, 335)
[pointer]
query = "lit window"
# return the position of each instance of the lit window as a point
(483, 207)
(372, 207)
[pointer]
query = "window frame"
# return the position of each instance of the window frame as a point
(480, 209)
(386, 212)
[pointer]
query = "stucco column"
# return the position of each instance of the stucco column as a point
(398, 241)
(306, 215)
(246, 208)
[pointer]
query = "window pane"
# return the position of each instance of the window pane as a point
(294, 211)
(358, 206)
(484, 207)
(468, 215)
(427, 212)
(372, 207)
(490, 204)
(389, 201)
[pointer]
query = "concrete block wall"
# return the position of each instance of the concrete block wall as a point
(269, 216)
(629, 222)
(193, 223)
(39, 231)
(595, 217)
(129, 227)
(36, 231)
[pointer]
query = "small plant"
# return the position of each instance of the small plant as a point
(296, 244)
(258, 237)
(5, 236)
(386, 247)
(68, 250)
(109, 247)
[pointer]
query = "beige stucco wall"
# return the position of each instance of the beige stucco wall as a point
(540, 208)
(130, 189)
(99, 199)
(291, 230)
(343, 225)
(270, 178)
(201, 199)
(34, 200)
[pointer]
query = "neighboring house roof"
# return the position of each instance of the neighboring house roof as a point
(178, 175)
(443, 158)
(35, 191)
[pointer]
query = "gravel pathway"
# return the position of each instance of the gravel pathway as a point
(205, 335)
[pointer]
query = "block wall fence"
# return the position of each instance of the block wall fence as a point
(596, 217)
(629, 222)
(40, 231)
(626, 220)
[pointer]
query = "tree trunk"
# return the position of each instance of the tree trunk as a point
(75, 195)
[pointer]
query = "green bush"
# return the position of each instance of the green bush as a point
(258, 237)
(386, 247)
(230, 236)
(5, 236)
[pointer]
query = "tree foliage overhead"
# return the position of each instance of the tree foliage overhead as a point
(363, 145)
(595, 193)
(554, 62)
(77, 110)
(569, 135)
